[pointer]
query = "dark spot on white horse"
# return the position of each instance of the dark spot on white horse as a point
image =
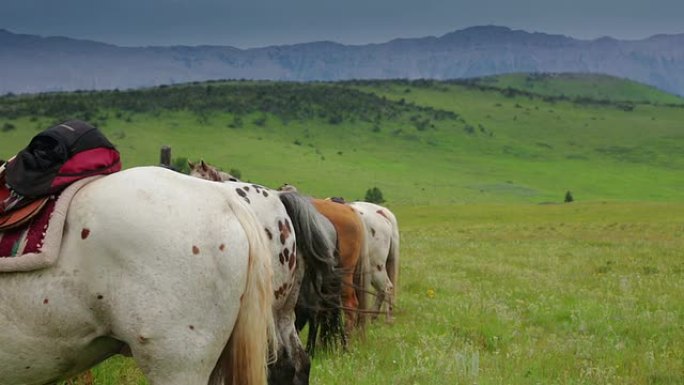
(222, 247)
(372, 231)
(379, 267)
(383, 214)
(243, 194)
(281, 291)
(191, 327)
(100, 296)
(265, 193)
(281, 257)
(195, 250)
(45, 301)
(85, 233)
(292, 263)
(143, 339)
(246, 188)
(268, 233)
(285, 230)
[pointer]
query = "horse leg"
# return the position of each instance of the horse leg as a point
(389, 293)
(383, 291)
(313, 334)
(350, 303)
(293, 364)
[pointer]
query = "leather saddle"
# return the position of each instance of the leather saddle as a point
(23, 212)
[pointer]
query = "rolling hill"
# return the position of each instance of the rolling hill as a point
(421, 142)
(578, 86)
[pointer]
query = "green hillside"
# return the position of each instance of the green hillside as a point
(592, 86)
(420, 142)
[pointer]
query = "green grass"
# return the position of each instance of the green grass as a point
(524, 294)
(496, 288)
(497, 149)
(593, 86)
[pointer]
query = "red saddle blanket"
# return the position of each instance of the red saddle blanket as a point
(29, 236)
(36, 243)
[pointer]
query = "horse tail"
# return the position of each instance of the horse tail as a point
(316, 243)
(245, 358)
(362, 272)
(392, 264)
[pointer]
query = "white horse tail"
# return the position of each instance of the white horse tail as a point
(362, 276)
(245, 358)
(392, 264)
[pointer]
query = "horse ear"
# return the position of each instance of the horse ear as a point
(203, 165)
(190, 164)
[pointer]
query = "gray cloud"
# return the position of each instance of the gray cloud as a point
(266, 22)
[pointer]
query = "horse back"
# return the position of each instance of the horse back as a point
(344, 218)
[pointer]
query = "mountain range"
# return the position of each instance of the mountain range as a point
(31, 64)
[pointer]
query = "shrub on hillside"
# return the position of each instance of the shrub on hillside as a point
(181, 165)
(235, 172)
(374, 195)
(568, 197)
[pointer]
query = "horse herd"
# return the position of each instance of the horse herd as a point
(202, 279)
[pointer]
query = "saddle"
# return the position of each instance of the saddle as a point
(338, 200)
(23, 212)
(54, 159)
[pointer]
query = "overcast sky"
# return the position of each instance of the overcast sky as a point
(256, 23)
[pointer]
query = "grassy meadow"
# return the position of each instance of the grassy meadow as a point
(500, 282)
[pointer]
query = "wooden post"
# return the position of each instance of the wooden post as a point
(165, 156)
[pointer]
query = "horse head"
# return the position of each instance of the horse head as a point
(206, 171)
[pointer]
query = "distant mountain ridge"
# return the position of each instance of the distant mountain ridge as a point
(30, 64)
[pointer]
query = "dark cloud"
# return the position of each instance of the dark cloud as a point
(265, 22)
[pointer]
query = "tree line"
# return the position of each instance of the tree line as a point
(333, 103)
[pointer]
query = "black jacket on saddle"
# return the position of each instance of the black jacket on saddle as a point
(59, 156)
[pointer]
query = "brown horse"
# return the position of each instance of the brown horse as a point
(350, 242)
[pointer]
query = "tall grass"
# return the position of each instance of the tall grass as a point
(495, 288)
(524, 294)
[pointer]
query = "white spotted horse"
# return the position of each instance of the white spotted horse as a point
(382, 251)
(174, 270)
(302, 248)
